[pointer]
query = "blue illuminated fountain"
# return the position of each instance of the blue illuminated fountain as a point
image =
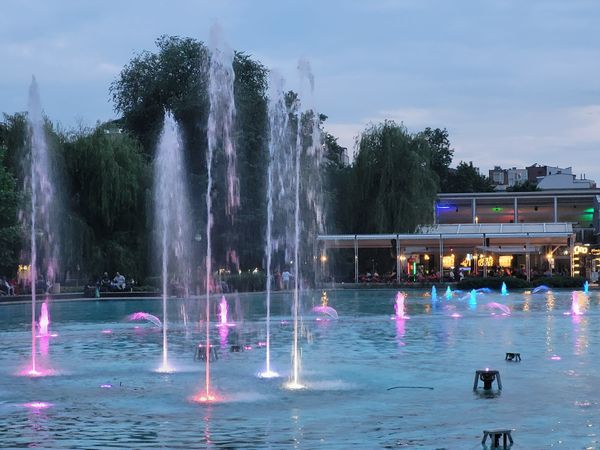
(448, 293)
(503, 290)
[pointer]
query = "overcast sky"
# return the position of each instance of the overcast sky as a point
(515, 82)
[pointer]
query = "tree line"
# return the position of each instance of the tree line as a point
(104, 176)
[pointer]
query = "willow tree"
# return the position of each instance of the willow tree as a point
(108, 183)
(393, 184)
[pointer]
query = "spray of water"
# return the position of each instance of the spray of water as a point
(279, 146)
(220, 135)
(308, 143)
(171, 215)
(38, 182)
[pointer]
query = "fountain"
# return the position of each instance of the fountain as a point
(540, 288)
(43, 202)
(277, 176)
(308, 141)
(473, 299)
(586, 287)
(145, 316)
(44, 320)
(433, 293)
(505, 310)
(503, 290)
(448, 293)
(575, 309)
(324, 308)
(220, 135)
(399, 307)
(171, 215)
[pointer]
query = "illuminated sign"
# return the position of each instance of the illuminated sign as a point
(448, 262)
(485, 261)
(505, 261)
(580, 249)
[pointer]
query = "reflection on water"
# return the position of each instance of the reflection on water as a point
(348, 366)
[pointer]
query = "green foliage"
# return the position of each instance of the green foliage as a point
(440, 152)
(466, 178)
(9, 226)
(246, 282)
(108, 181)
(393, 184)
(495, 283)
(560, 281)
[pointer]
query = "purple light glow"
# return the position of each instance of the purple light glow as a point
(555, 358)
(106, 386)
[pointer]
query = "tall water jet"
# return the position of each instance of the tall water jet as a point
(308, 142)
(503, 290)
(220, 135)
(448, 293)
(277, 175)
(171, 216)
(36, 218)
(433, 293)
(586, 287)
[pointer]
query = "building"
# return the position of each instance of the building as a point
(504, 178)
(532, 233)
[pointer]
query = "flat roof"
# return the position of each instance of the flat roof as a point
(460, 235)
(531, 194)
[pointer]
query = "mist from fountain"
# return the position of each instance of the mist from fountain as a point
(37, 218)
(172, 217)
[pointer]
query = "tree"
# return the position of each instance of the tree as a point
(466, 178)
(176, 78)
(393, 184)
(440, 152)
(108, 186)
(9, 227)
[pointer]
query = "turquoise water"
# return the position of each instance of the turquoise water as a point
(348, 366)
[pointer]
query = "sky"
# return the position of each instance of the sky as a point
(514, 82)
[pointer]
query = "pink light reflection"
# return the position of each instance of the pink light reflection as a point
(109, 331)
(555, 358)
(38, 405)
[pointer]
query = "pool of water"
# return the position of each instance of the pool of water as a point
(105, 392)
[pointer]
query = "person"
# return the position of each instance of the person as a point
(105, 282)
(286, 275)
(119, 282)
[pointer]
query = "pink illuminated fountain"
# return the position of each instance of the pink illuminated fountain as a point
(399, 306)
(324, 308)
(37, 217)
(44, 320)
(575, 309)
